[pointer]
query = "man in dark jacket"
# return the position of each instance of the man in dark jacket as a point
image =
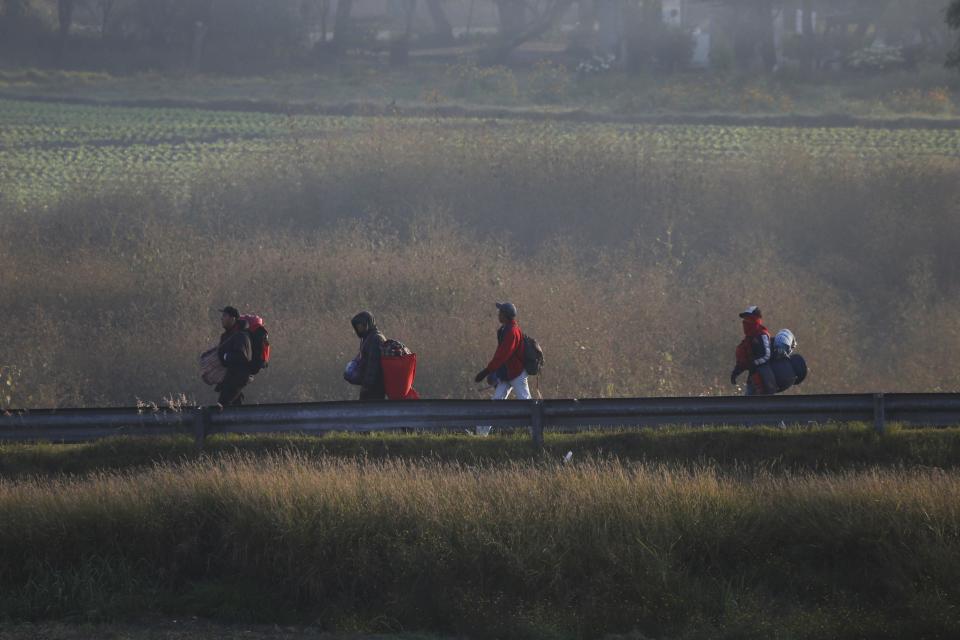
(371, 348)
(235, 353)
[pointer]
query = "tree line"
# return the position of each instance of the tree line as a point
(641, 34)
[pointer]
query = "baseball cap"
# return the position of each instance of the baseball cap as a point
(753, 311)
(230, 311)
(508, 308)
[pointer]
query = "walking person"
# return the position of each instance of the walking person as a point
(507, 366)
(235, 353)
(369, 371)
(753, 355)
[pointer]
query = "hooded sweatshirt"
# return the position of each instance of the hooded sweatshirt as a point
(371, 348)
(754, 350)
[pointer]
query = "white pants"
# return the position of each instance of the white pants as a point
(518, 385)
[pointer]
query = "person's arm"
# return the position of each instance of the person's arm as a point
(765, 358)
(509, 345)
(237, 352)
(371, 357)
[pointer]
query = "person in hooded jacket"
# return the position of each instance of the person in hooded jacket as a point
(235, 353)
(371, 349)
(754, 354)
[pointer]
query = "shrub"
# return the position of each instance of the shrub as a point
(877, 58)
(475, 82)
(936, 101)
(548, 83)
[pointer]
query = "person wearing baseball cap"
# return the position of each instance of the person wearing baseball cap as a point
(753, 354)
(505, 370)
(235, 352)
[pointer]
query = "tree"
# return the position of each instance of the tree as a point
(14, 10)
(521, 22)
(342, 23)
(65, 21)
(442, 29)
(752, 32)
(953, 21)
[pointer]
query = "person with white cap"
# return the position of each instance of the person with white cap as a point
(753, 355)
(506, 368)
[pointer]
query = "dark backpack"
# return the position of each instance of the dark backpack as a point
(259, 344)
(532, 355)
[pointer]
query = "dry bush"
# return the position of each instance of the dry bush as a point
(628, 264)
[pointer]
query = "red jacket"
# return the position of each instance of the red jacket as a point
(510, 352)
(754, 349)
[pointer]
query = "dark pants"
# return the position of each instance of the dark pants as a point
(371, 394)
(763, 382)
(231, 389)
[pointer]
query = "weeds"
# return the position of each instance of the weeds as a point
(578, 550)
(628, 262)
(829, 449)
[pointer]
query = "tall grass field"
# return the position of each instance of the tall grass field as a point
(515, 550)
(629, 252)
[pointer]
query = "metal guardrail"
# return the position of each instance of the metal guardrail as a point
(80, 425)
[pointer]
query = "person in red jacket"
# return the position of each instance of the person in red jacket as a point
(506, 367)
(753, 355)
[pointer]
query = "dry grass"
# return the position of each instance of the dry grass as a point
(575, 550)
(628, 265)
(828, 449)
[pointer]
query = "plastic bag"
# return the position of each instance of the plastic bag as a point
(399, 373)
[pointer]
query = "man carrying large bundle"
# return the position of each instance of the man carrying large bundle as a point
(235, 353)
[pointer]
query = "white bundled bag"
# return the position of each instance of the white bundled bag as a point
(784, 344)
(212, 370)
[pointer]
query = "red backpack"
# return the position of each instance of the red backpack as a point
(259, 343)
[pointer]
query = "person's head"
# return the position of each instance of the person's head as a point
(751, 319)
(507, 312)
(229, 317)
(362, 323)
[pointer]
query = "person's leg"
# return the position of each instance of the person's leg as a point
(231, 390)
(372, 395)
(521, 386)
(502, 392)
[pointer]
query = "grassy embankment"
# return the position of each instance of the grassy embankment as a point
(932, 92)
(822, 449)
(629, 251)
(515, 550)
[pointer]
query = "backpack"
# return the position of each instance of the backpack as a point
(784, 344)
(799, 368)
(532, 355)
(259, 343)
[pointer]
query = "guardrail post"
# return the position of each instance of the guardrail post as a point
(201, 419)
(879, 413)
(536, 428)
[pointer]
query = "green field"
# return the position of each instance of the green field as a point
(47, 149)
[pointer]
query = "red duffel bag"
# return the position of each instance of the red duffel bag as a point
(399, 373)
